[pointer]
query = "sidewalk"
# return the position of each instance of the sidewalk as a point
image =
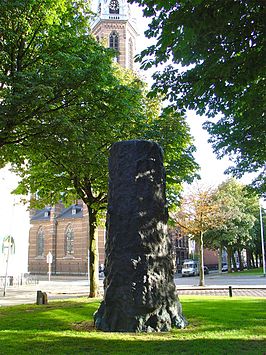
(80, 288)
(219, 290)
(55, 290)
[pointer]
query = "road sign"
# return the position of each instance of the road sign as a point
(49, 258)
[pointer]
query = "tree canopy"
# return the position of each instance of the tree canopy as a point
(48, 59)
(73, 162)
(199, 213)
(64, 103)
(240, 208)
(218, 53)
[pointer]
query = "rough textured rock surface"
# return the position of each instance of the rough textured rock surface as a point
(139, 292)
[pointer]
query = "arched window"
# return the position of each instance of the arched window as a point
(40, 242)
(130, 53)
(69, 241)
(114, 41)
(114, 7)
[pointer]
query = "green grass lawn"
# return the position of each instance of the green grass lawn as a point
(217, 325)
(257, 271)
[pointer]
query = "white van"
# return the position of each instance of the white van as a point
(190, 268)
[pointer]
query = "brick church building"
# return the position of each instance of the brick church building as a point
(63, 230)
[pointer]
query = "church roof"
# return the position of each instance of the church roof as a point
(74, 211)
(42, 215)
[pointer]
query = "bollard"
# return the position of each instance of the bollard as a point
(11, 281)
(45, 298)
(41, 298)
(230, 291)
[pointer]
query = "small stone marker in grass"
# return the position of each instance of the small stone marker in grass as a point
(41, 298)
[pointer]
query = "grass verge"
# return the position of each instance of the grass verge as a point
(217, 325)
(252, 272)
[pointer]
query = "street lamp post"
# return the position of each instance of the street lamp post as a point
(262, 242)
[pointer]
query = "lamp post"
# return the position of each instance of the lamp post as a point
(262, 242)
(8, 248)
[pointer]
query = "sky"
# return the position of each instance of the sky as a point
(14, 217)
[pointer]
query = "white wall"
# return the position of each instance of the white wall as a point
(14, 221)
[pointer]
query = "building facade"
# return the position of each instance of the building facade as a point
(63, 232)
(180, 247)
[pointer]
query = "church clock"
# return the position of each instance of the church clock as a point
(114, 7)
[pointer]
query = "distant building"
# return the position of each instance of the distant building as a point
(186, 248)
(180, 248)
(63, 232)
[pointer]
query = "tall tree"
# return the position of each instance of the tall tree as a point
(63, 104)
(239, 206)
(74, 163)
(199, 212)
(219, 49)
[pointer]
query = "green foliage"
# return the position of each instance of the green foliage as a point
(64, 103)
(67, 327)
(44, 67)
(218, 54)
(240, 208)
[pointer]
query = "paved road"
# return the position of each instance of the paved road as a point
(225, 279)
(72, 287)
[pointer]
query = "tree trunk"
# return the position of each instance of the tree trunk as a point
(229, 258)
(93, 254)
(234, 261)
(252, 260)
(201, 266)
(241, 267)
(220, 254)
(248, 259)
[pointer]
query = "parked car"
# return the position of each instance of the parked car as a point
(190, 268)
(224, 267)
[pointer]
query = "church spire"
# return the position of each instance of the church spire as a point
(115, 26)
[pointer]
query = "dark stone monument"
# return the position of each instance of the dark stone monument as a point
(139, 291)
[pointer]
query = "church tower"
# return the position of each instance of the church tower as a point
(116, 28)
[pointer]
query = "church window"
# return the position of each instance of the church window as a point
(40, 242)
(130, 53)
(69, 241)
(114, 41)
(114, 7)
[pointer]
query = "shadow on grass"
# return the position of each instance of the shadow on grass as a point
(93, 345)
(55, 315)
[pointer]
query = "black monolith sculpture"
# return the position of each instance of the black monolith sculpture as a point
(139, 291)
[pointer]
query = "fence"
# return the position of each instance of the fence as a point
(19, 280)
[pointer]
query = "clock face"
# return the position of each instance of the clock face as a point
(114, 5)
